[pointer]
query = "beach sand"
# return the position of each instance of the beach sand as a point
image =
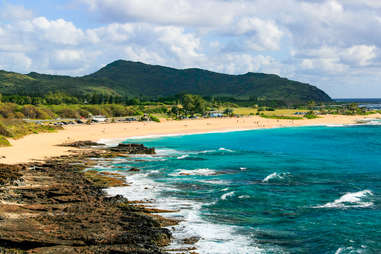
(44, 145)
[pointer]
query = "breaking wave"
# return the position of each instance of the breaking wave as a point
(199, 172)
(226, 195)
(351, 199)
(275, 176)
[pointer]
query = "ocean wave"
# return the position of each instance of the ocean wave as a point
(217, 182)
(350, 199)
(183, 156)
(221, 149)
(199, 172)
(244, 197)
(374, 122)
(351, 250)
(226, 195)
(275, 176)
(214, 238)
(225, 150)
(206, 151)
(168, 152)
(336, 125)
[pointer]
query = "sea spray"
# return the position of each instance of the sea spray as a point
(275, 176)
(354, 199)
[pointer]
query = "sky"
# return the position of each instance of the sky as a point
(334, 45)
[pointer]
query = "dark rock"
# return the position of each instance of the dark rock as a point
(59, 210)
(191, 240)
(80, 144)
(134, 170)
(133, 149)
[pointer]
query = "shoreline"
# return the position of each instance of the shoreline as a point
(35, 170)
(60, 206)
(24, 150)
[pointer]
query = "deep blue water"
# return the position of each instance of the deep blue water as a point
(291, 190)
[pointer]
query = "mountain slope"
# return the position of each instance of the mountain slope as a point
(133, 79)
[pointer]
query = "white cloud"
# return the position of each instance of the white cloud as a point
(310, 40)
(263, 34)
(14, 60)
(11, 12)
(58, 31)
(180, 43)
(359, 55)
(180, 12)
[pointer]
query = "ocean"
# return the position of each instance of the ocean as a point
(287, 190)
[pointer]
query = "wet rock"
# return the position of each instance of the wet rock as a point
(191, 240)
(133, 149)
(134, 170)
(9, 173)
(59, 209)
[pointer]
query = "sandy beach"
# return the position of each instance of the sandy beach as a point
(44, 145)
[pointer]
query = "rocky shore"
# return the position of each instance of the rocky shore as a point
(55, 206)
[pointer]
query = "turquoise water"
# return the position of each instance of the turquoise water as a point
(291, 190)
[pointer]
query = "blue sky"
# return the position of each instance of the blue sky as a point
(334, 45)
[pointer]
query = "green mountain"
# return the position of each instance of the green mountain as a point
(132, 79)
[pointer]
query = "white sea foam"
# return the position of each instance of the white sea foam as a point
(214, 238)
(168, 152)
(206, 151)
(183, 156)
(273, 176)
(374, 122)
(351, 250)
(350, 199)
(199, 172)
(217, 182)
(227, 195)
(244, 197)
(336, 125)
(243, 169)
(225, 149)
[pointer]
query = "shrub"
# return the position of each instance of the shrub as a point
(4, 131)
(310, 115)
(155, 119)
(4, 142)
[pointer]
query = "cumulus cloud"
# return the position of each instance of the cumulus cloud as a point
(317, 41)
(359, 55)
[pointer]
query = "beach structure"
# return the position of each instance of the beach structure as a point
(99, 119)
(215, 114)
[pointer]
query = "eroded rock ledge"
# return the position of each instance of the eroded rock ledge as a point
(54, 207)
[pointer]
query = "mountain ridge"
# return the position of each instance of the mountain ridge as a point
(137, 79)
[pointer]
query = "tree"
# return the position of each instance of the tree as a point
(228, 111)
(193, 104)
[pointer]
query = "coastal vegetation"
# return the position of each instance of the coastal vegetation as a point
(32, 103)
(15, 128)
